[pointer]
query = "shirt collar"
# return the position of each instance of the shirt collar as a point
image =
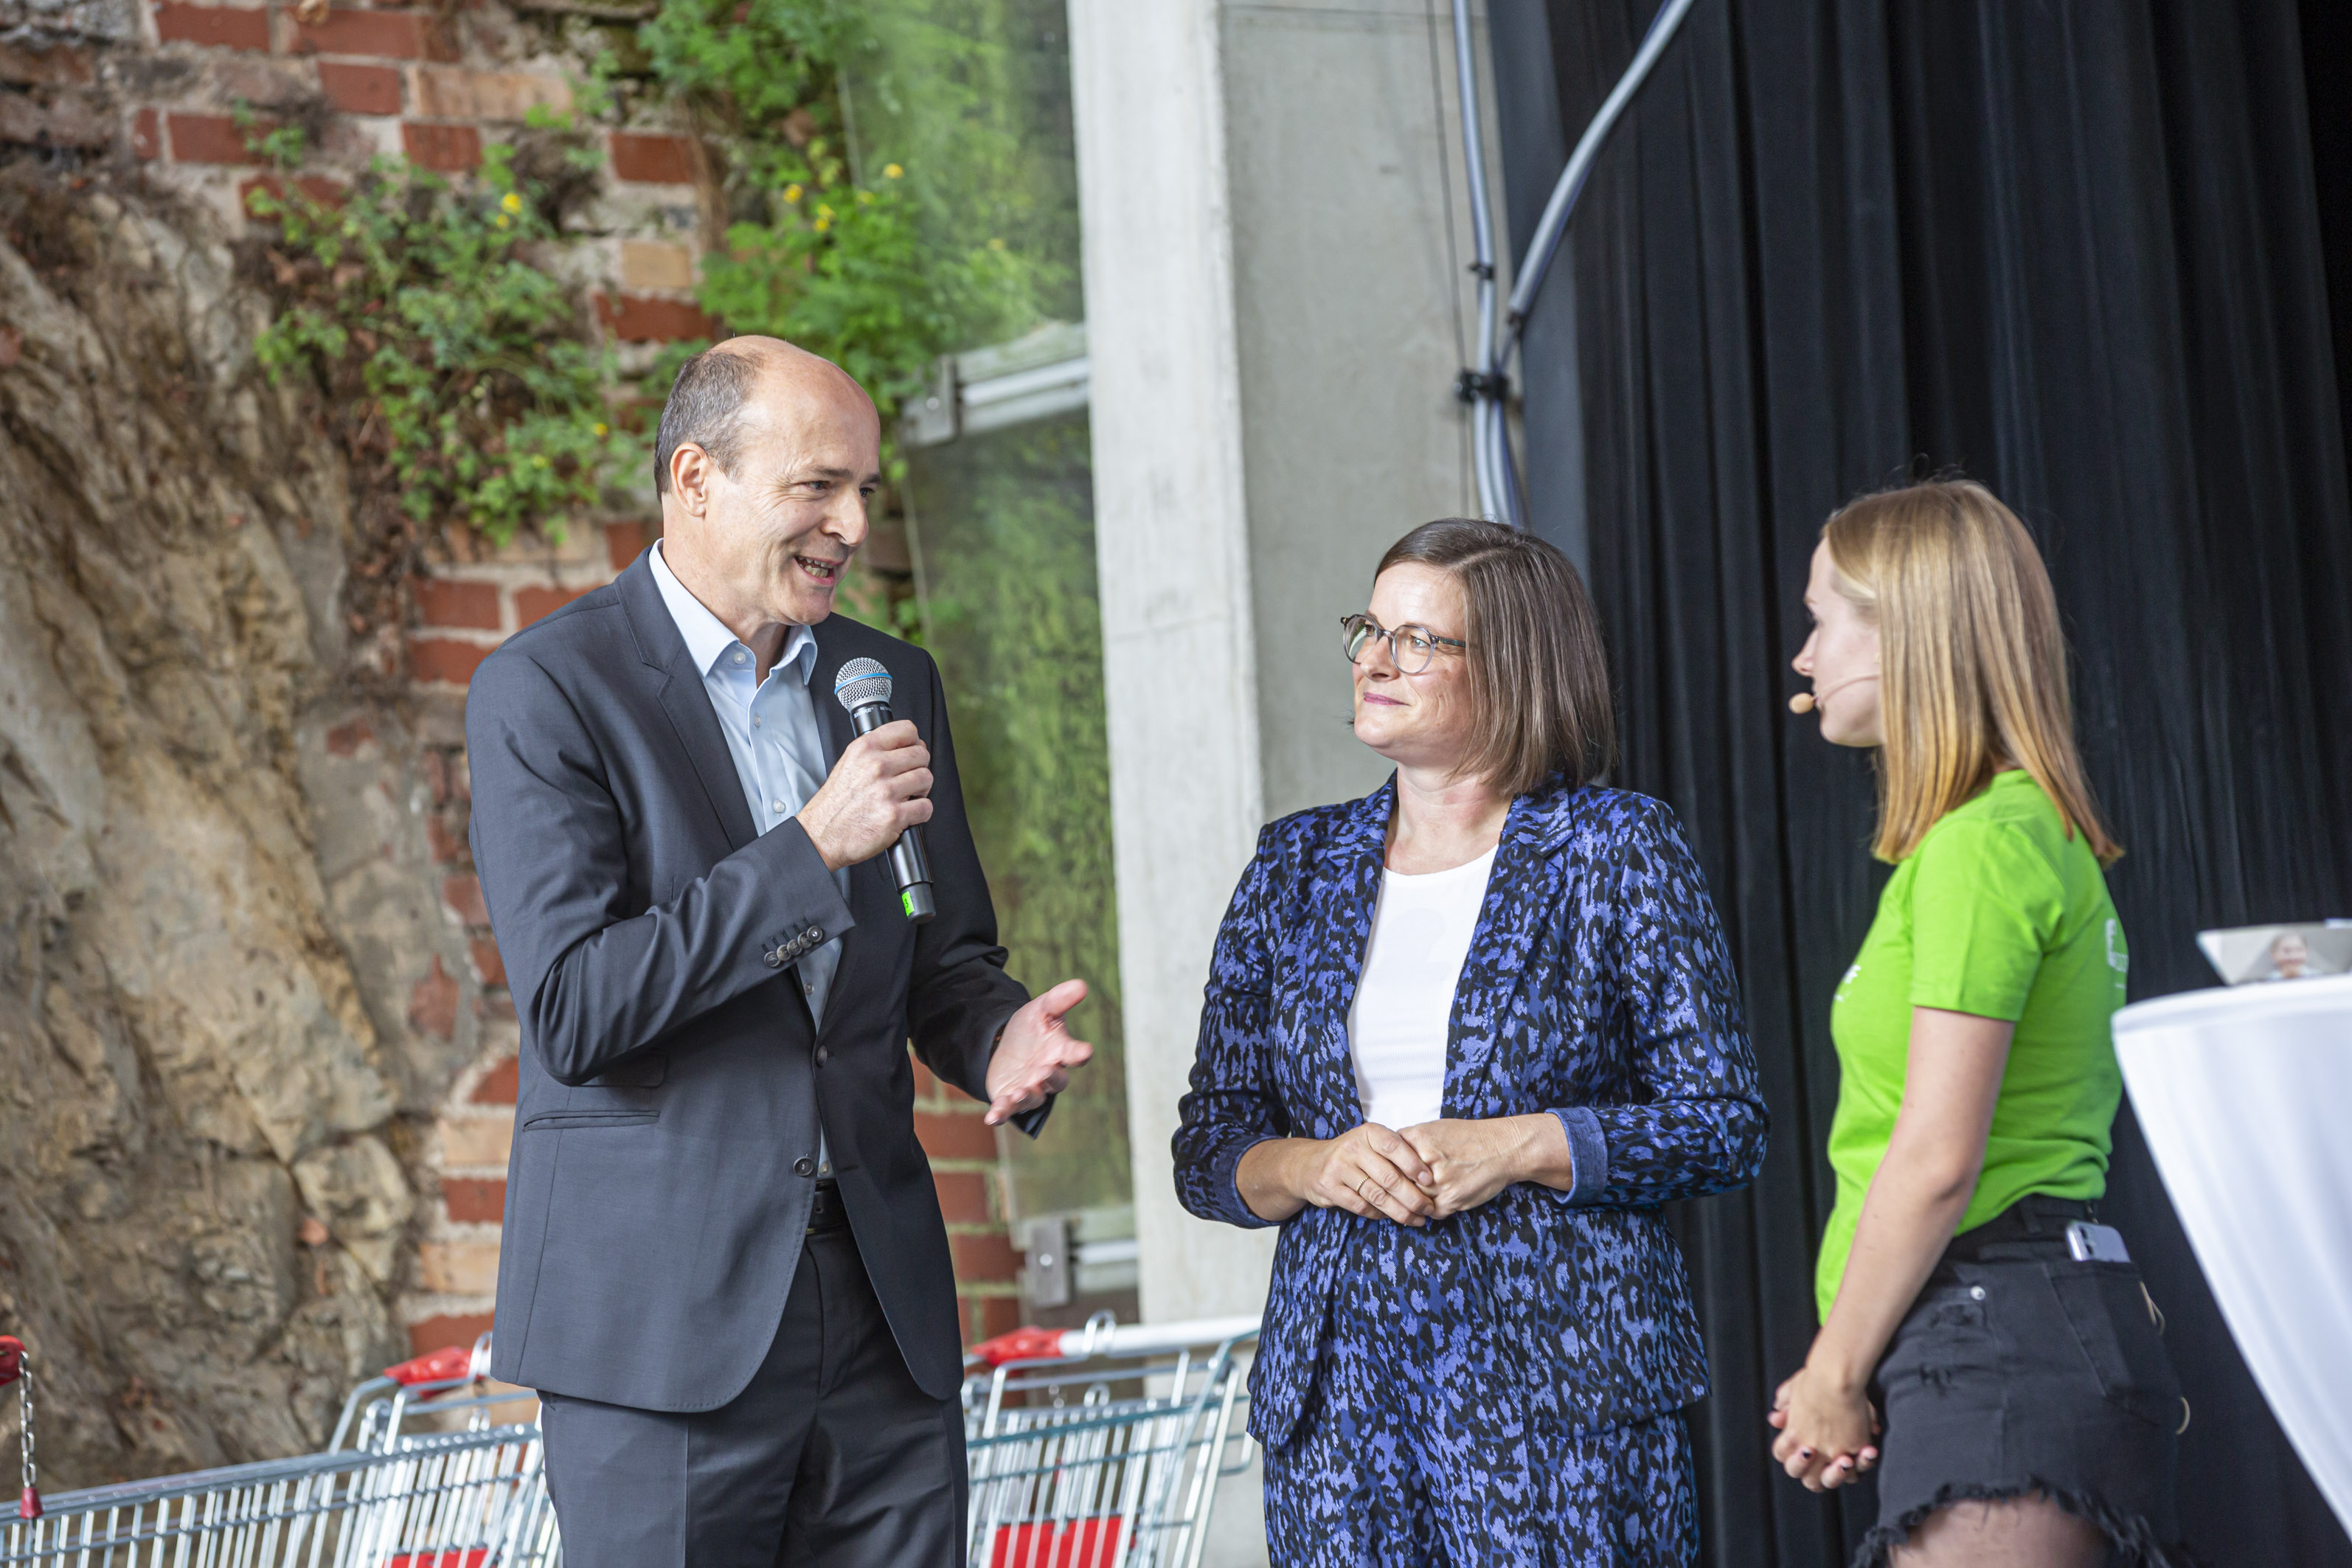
(708, 640)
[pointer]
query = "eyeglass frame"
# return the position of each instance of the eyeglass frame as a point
(1375, 632)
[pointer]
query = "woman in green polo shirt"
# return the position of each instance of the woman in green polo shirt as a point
(2030, 1410)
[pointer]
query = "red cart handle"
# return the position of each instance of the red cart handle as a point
(13, 1367)
(1022, 1344)
(451, 1364)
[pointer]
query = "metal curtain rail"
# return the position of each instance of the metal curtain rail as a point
(1486, 387)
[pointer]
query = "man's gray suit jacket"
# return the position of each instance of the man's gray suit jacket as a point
(672, 1082)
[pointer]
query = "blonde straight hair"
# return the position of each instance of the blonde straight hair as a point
(1972, 663)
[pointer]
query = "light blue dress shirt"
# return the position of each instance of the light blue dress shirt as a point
(773, 735)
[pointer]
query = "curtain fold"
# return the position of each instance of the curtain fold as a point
(2072, 251)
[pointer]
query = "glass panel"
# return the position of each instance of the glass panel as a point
(1004, 525)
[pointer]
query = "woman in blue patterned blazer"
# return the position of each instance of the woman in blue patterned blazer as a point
(1461, 1038)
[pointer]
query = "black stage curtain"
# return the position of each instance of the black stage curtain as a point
(2073, 250)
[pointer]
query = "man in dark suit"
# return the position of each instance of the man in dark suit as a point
(723, 1266)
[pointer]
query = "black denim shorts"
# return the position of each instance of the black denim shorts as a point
(2020, 1370)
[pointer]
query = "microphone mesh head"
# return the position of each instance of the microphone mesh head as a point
(861, 681)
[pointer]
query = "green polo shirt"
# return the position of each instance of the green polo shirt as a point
(2002, 913)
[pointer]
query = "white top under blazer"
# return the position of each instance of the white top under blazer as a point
(1404, 999)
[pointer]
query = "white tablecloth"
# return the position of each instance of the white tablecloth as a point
(2245, 1095)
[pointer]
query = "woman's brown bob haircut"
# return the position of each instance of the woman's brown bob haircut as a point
(1538, 675)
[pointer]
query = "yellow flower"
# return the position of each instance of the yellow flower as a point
(539, 460)
(601, 429)
(791, 193)
(504, 221)
(511, 202)
(996, 244)
(823, 224)
(891, 170)
(823, 210)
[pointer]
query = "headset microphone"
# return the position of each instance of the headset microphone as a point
(864, 688)
(1806, 701)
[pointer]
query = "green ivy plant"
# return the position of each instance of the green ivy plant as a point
(841, 264)
(460, 371)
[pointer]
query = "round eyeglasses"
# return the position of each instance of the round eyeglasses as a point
(1412, 646)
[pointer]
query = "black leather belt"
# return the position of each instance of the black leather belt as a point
(825, 1210)
(2033, 1226)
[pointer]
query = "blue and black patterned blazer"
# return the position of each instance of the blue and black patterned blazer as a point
(1598, 987)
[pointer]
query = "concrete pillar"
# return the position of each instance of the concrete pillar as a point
(1267, 194)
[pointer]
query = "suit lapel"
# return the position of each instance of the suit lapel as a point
(1518, 908)
(686, 700)
(872, 903)
(832, 718)
(1353, 862)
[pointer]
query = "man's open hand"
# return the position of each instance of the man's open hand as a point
(1033, 1059)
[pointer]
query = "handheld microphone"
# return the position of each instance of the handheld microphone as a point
(864, 688)
(1806, 701)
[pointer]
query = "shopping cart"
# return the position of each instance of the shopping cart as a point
(418, 1475)
(1093, 1447)
(1102, 1446)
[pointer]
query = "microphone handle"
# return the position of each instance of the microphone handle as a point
(910, 869)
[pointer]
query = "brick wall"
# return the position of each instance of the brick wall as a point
(160, 91)
(162, 88)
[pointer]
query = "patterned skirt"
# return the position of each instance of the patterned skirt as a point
(1423, 1443)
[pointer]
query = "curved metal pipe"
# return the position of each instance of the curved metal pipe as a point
(1527, 282)
(1492, 499)
(1490, 435)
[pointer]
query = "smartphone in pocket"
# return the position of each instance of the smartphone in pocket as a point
(2089, 1243)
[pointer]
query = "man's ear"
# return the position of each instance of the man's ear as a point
(690, 470)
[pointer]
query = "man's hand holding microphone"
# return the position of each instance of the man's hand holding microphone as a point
(878, 790)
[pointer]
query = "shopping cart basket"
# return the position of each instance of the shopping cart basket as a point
(397, 1496)
(1102, 1446)
(1093, 1447)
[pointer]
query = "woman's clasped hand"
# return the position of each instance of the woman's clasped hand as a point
(1428, 1170)
(1829, 1429)
(1368, 1170)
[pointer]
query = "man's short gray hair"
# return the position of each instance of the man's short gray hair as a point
(706, 409)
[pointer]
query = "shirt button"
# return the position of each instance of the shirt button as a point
(804, 1166)
(777, 806)
(740, 656)
(1976, 1292)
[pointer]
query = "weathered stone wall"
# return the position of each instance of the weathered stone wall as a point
(210, 1093)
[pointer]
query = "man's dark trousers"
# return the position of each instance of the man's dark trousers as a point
(866, 1473)
(656, 1257)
